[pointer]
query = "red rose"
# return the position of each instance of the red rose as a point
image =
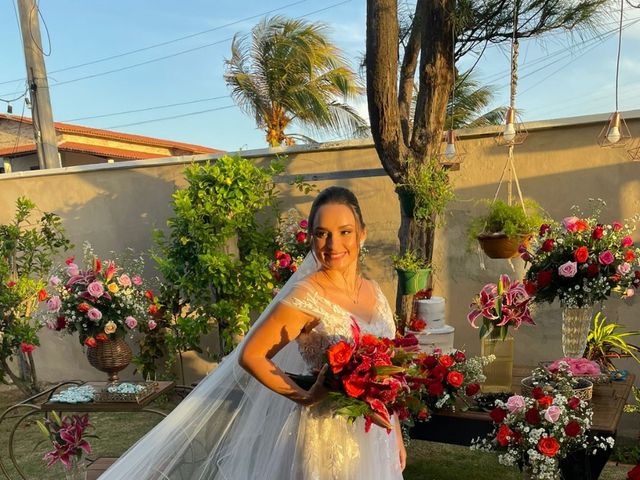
(339, 356)
(530, 288)
(544, 278)
(430, 361)
(69, 260)
(597, 232)
(498, 414)
(438, 373)
(581, 254)
(446, 361)
(27, 347)
(634, 473)
(42, 295)
(617, 226)
(592, 270)
(90, 342)
(455, 379)
(101, 337)
(545, 401)
(293, 268)
(629, 256)
(537, 393)
(548, 245)
(84, 307)
(435, 389)
(353, 386)
(61, 323)
(626, 241)
(544, 228)
(615, 278)
(504, 435)
(472, 389)
(423, 414)
(573, 403)
(153, 309)
(459, 356)
(301, 237)
(581, 226)
(417, 325)
(149, 294)
(532, 416)
(279, 254)
(572, 429)
(548, 446)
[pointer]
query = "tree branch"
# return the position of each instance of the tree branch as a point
(408, 73)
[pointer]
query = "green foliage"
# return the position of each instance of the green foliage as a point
(410, 262)
(607, 341)
(508, 219)
(215, 257)
(27, 248)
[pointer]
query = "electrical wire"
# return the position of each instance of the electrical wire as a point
(37, 7)
(619, 49)
(171, 117)
(16, 98)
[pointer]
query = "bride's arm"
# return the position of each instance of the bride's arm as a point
(265, 340)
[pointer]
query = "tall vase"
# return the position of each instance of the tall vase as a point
(110, 356)
(77, 470)
(499, 373)
(576, 323)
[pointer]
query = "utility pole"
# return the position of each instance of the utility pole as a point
(43, 129)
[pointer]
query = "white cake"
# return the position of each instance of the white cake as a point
(437, 334)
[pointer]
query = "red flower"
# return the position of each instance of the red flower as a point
(634, 473)
(153, 309)
(544, 228)
(548, 446)
(537, 393)
(615, 278)
(504, 435)
(629, 256)
(545, 401)
(581, 226)
(90, 342)
(572, 429)
(279, 254)
(446, 361)
(498, 414)
(61, 323)
(423, 414)
(301, 237)
(597, 232)
(149, 295)
(548, 245)
(27, 347)
(84, 307)
(438, 373)
(581, 254)
(532, 416)
(11, 284)
(617, 226)
(353, 386)
(430, 361)
(102, 337)
(435, 389)
(417, 325)
(530, 288)
(42, 295)
(339, 356)
(69, 260)
(97, 265)
(573, 403)
(627, 241)
(293, 268)
(472, 389)
(592, 270)
(455, 379)
(544, 278)
(111, 269)
(459, 356)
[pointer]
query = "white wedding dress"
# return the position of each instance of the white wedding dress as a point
(233, 428)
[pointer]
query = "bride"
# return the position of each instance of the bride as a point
(231, 427)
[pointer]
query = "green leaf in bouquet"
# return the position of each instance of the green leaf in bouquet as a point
(387, 370)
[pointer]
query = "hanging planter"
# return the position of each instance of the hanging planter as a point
(412, 281)
(499, 245)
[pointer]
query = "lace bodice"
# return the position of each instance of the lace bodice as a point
(335, 322)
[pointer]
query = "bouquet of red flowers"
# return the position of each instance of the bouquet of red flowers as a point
(67, 437)
(293, 244)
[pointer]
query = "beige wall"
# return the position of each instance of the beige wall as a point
(116, 206)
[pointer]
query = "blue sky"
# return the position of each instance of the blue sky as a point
(564, 76)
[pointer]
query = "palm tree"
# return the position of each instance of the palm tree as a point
(471, 99)
(287, 70)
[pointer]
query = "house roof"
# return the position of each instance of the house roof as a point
(111, 135)
(99, 150)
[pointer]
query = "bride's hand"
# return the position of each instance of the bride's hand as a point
(318, 391)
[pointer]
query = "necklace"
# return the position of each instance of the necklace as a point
(345, 290)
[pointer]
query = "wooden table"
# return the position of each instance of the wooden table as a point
(460, 428)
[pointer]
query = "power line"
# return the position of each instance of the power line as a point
(171, 117)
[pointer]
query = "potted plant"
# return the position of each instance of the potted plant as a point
(413, 271)
(606, 342)
(503, 228)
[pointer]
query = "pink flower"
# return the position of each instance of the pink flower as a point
(630, 292)
(553, 413)
(54, 304)
(627, 241)
(151, 324)
(568, 270)
(285, 261)
(303, 224)
(624, 268)
(606, 258)
(570, 224)
(516, 403)
(94, 314)
(137, 280)
(72, 269)
(124, 280)
(54, 281)
(131, 322)
(95, 289)
(617, 226)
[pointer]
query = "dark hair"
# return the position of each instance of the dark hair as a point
(336, 195)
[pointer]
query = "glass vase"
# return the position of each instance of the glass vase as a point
(78, 470)
(576, 322)
(499, 373)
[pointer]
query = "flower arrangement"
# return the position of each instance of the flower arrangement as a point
(67, 437)
(576, 366)
(293, 244)
(537, 433)
(100, 301)
(581, 261)
(500, 305)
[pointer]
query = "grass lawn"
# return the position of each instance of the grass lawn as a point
(118, 431)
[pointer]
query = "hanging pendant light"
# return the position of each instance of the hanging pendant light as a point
(514, 131)
(634, 151)
(452, 152)
(615, 133)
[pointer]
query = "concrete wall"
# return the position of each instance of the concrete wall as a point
(117, 205)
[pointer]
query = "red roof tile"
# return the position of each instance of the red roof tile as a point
(99, 150)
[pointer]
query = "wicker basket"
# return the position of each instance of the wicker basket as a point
(110, 356)
(500, 246)
(584, 391)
